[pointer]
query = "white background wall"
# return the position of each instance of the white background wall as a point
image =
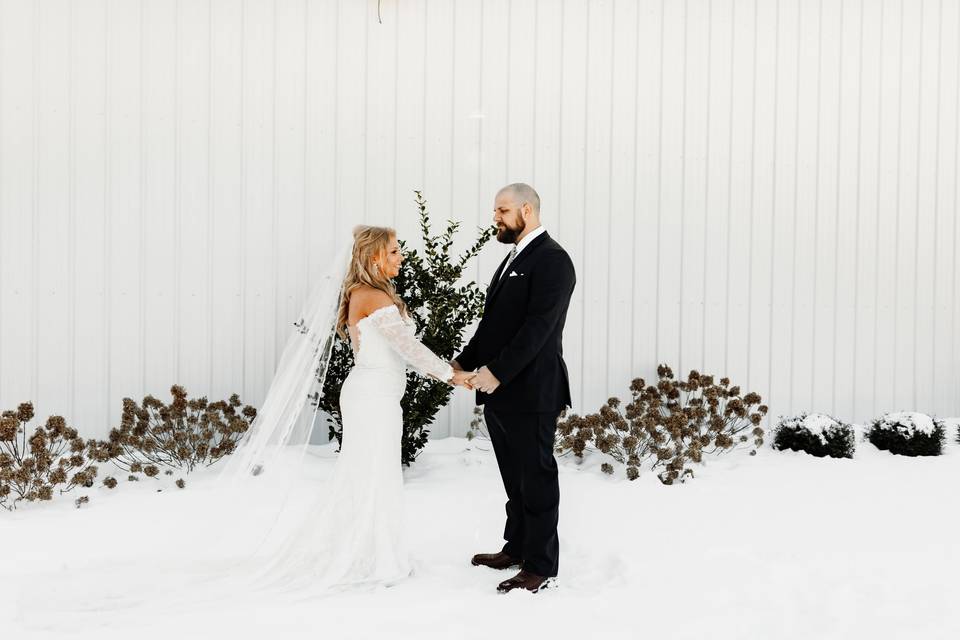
(754, 188)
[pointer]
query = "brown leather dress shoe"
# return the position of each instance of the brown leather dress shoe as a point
(524, 580)
(498, 560)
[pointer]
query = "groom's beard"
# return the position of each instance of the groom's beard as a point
(509, 235)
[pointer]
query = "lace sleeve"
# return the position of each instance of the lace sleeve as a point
(401, 338)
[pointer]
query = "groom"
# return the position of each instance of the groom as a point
(522, 382)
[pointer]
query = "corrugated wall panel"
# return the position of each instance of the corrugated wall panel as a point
(757, 188)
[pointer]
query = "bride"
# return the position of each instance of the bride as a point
(266, 522)
(354, 534)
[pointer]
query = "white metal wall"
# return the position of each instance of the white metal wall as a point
(758, 188)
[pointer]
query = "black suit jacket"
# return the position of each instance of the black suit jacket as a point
(520, 336)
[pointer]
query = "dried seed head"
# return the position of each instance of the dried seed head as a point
(9, 427)
(56, 425)
(25, 412)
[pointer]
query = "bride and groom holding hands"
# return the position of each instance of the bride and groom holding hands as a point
(514, 363)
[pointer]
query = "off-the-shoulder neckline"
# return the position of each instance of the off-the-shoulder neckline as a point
(384, 309)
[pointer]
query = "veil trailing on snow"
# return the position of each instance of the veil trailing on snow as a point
(265, 490)
(263, 485)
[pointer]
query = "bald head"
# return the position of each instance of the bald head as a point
(516, 212)
(523, 193)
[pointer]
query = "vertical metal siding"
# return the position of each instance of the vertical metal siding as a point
(763, 189)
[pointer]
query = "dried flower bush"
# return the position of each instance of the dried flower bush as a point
(183, 434)
(31, 468)
(816, 434)
(672, 423)
(908, 434)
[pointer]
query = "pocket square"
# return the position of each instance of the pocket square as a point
(514, 274)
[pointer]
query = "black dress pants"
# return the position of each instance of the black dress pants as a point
(523, 444)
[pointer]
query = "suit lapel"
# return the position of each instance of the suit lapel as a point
(497, 283)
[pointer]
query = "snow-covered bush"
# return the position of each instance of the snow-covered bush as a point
(908, 434)
(182, 435)
(672, 423)
(816, 434)
(32, 467)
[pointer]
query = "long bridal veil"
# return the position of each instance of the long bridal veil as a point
(268, 463)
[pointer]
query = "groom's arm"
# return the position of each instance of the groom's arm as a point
(552, 286)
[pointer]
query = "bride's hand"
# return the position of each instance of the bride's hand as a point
(463, 379)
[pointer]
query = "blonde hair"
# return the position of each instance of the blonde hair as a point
(368, 243)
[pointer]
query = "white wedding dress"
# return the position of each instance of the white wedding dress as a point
(269, 523)
(354, 534)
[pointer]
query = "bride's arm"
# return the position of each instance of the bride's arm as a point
(401, 338)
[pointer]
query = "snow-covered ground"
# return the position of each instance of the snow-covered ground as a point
(778, 545)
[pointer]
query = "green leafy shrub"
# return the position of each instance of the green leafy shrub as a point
(53, 458)
(908, 434)
(671, 424)
(442, 311)
(816, 434)
(182, 435)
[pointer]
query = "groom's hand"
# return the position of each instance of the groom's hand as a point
(463, 378)
(485, 381)
(456, 365)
